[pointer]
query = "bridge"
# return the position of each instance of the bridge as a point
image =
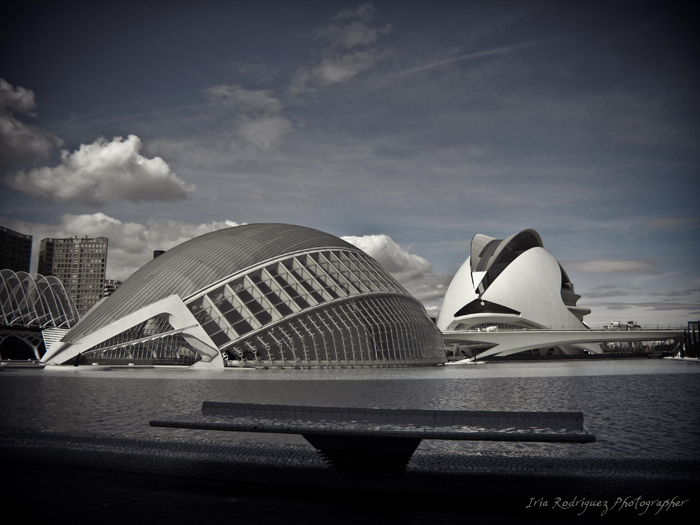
(514, 341)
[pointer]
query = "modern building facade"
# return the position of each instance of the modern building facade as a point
(111, 286)
(262, 295)
(512, 284)
(15, 250)
(80, 264)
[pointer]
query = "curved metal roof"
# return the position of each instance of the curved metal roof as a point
(199, 262)
(486, 250)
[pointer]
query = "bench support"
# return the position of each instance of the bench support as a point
(351, 453)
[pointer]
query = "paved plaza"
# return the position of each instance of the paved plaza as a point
(79, 479)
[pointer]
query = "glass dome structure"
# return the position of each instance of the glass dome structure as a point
(263, 295)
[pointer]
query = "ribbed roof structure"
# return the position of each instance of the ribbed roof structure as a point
(200, 262)
(34, 301)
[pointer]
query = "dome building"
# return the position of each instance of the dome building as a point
(512, 284)
(263, 295)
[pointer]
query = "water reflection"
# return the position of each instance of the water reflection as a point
(634, 407)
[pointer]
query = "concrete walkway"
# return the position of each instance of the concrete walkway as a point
(60, 478)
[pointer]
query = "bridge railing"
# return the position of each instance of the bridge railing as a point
(645, 328)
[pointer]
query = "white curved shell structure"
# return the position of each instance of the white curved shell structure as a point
(512, 284)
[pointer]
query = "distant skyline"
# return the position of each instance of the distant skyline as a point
(404, 127)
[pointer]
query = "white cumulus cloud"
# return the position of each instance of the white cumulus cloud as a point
(104, 171)
(131, 244)
(414, 272)
(21, 145)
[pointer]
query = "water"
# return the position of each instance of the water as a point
(634, 407)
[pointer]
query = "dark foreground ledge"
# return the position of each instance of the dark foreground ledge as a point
(474, 483)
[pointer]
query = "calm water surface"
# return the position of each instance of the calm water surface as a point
(634, 407)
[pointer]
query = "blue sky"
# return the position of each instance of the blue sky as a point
(410, 126)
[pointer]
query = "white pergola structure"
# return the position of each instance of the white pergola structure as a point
(31, 305)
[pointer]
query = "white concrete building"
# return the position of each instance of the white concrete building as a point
(263, 295)
(512, 284)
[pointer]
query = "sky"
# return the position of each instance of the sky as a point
(406, 127)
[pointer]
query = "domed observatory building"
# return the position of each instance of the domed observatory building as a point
(513, 284)
(262, 295)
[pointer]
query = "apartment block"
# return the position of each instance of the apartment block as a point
(15, 250)
(80, 263)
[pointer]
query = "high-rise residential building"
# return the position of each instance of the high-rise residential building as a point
(15, 250)
(79, 262)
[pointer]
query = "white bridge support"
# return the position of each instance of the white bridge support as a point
(515, 341)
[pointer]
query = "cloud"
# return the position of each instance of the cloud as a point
(243, 99)
(264, 133)
(104, 171)
(21, 145)
(257, 71)
(131, 244)
(630, 266)
(258, 122)
(655, 306)
(470, 56)
(364, 12)
(348, 51)
(355, 31)
(600, 295)
(16, 98)
(674, 223)
(342, 68)
(675, 293)
(413, 271)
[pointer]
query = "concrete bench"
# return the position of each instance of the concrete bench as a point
(385, 439)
